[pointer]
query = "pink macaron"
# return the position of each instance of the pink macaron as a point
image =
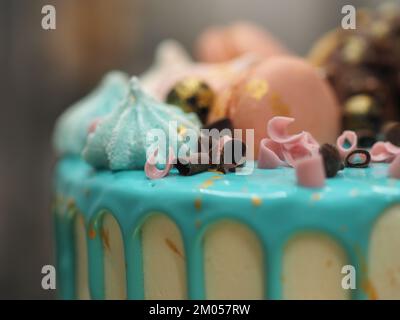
(285, 86)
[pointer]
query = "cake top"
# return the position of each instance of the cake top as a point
(265, 105)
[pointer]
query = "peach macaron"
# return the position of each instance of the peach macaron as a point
(285, 86)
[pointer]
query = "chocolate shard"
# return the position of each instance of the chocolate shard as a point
(331, 158)
(233, 155)
(220, 125)
(206, 143)
(196, 163)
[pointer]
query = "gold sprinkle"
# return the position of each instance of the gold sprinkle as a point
(370, 290)
(278, 107)
(105, 237)
(215, 171)
(173, 247)
(316, 197)
(182, 130)
(197, 203)
(257, 88)
(206, 184)
(92, 233)
(256, 201)
(209, 182)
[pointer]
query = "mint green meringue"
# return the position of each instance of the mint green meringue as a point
(72, 126)
(120, 140)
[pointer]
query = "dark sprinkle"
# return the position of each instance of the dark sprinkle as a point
(352, 161)
(233, 152)
(190, 167)
(220, 125)
(331, 158)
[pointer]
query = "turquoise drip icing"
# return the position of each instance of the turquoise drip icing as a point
(352, 200)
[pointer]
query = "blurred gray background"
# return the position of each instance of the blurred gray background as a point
(43, 72)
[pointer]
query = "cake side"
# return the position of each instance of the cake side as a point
(256, 234)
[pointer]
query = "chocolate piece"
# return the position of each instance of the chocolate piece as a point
(234, 151)
(350, 163)
(233, 155)
(192, 95)
(210, 145)
(331, 159)
(226, 157)
(220, 125)
(391, 133)
(196, 163)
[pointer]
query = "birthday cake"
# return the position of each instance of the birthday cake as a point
(224, 179)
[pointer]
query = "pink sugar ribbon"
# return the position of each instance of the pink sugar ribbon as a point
(282, 148)
(277, 130)
(380, 152)
(384, 152)
(152, 172)
(268, 157)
